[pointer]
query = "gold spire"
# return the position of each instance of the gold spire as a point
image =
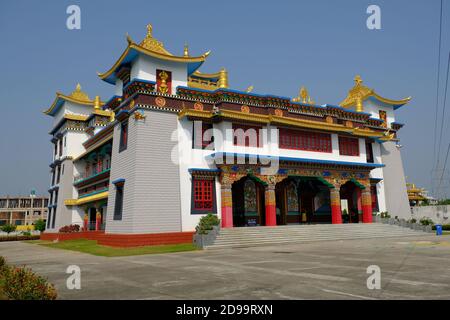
(79, 95)
(152, 44)
(97, 103)
(186, 51)
(223, 78)
(249, 89)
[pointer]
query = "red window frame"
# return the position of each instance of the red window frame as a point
(348, 146)
(203, 195)
(305, 140)
(236, 141)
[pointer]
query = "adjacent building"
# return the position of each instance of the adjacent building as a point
(23, 211)
(174, 143)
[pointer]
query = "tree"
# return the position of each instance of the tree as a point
(8, 228)
(39, 225)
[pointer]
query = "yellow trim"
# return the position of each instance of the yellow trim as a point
(95, 197)
(273, 119)
(194, 113)
(95, 146)
(390, 101)
(59, 95)
(206, 75)
(105, 113)
(78, 117)
(261, 118)
(132, 45)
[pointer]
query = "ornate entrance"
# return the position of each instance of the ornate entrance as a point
(291, 195)
(248, 202)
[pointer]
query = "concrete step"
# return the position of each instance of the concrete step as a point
(257, 236)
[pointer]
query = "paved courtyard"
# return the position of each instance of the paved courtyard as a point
(411, 268)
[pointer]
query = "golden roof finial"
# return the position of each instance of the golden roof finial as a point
(149, 31)
(186, 50)
(249, 89)
(223, 78)
(79, 95)
(303, 96)
(358, 80)
(97, 103)
(152, 44)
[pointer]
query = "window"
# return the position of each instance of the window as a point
(60, 148)
(54, 218)
(369, 152)
(202, 139)
(118, 205)
(58, 177)
(123, 136)
(348, 146)
(203, 192)
(305, 140)
(62, 169)
(246, 136)
(65, 140)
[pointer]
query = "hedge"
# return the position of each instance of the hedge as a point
(19, 238)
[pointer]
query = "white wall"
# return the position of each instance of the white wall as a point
(374, 110)
(144, 67)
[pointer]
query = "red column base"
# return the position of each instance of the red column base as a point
(227, 217)
(271, 215)
(367, 213)
(336, 214)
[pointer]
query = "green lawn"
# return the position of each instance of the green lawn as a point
(91, 247)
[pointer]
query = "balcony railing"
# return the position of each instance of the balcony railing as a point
(93, 173)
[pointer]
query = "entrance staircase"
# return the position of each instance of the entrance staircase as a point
(257, 236)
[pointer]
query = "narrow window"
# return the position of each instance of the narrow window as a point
(369, 152)
(123, 136)
(118, 205)
(305, 140)
(201, 137)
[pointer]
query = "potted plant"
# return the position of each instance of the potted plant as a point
(304, 217)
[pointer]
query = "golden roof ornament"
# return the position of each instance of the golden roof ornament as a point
(79, 95)
(303, 96)
(249, 89)
(186, 51)
(223, 78)
(97, 103)
(151, 43)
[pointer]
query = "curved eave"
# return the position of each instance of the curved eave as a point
(206, 76)
(395, 103)
(59, 100)
(134, 49)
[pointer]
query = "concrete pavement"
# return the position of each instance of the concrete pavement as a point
(411, 268)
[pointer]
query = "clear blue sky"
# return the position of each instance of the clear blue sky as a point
(275, 46)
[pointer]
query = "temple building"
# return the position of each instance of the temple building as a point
(416, 196)
(23, 211)
(173, 144)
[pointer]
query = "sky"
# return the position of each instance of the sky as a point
(276, 46)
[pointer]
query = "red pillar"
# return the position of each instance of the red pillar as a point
(367, 206)
(98, 219)
(336, 214)
(359, 204)
(227, 207)
(271, 211)
(85, 222)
